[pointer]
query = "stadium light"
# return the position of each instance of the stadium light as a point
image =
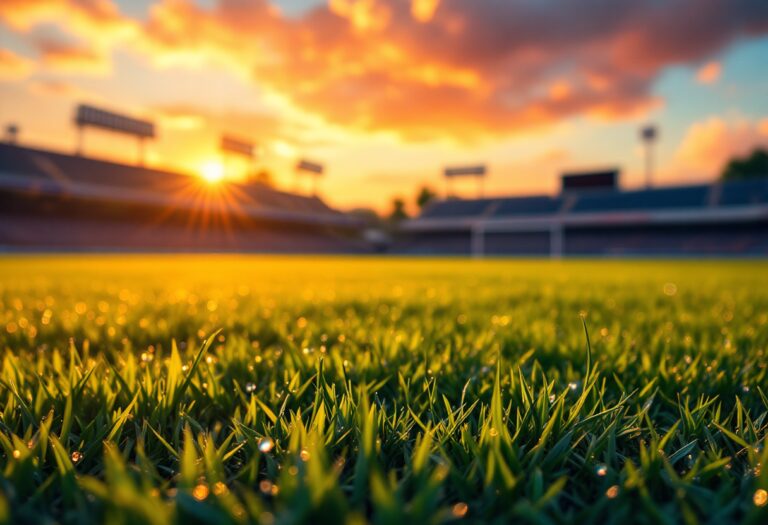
(649, 134)
(230, 145)
(478, 172)
(90, 116)
(11, 133)
(313, 169)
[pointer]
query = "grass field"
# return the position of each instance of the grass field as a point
(188, 389)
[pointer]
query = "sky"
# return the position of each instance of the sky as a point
(386, 93)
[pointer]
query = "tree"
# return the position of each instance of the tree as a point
(398, 210)
(425, 196)
(750, 167)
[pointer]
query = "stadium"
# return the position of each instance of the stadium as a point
(727, 219)
(54, 201)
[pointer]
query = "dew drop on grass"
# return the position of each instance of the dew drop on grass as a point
(760, 498)
(16, 454)
(493, 432)
(304, 455)
(601, 470)
(573, 386)
(265, 486)
(670, 289)
(76, 456)
(460, 509)
(200, 492)
(265, 445)
(612, 491)
(250, 387)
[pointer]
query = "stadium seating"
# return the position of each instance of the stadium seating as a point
(539, 205)
(65, 173)
(728, 218)
(50, 200)
(452, 208)
(517, 243)
(744, 193)
(656, 199)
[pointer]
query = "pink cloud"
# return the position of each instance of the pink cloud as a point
(709, 73)
(72, 56)
(710, 144)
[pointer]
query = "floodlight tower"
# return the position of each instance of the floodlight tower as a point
(649, 134)
(89, 116)
(313, 169)
(477, 172)
(11, 133)
(230, 145)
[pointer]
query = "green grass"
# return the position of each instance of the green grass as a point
(287, 390)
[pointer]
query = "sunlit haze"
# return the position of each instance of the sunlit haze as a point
(386, 93)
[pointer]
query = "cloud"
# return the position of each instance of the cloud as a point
(55, 87)
(424, 10)
(708, 145)
(72, 56)
(282, 133)
(428, 69)
(709, 73)
(462, 68)
(80, 15)
(13, 66)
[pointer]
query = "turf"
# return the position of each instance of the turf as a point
(200, 389)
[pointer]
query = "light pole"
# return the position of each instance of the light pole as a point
(649, 134)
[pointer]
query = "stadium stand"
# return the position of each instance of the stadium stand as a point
(725, 218)
(51, 200)
(662, 198)
(456, 208)
(539, 205)
(744, 193)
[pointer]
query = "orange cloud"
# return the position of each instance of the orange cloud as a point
(364, 15)
(424, 10)
(13, 66)
(560, 90)
(424, 69)
(710, 144)
(709, 73)
(67, 56)
(80, 15)
(55, 88)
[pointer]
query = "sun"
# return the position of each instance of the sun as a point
(212, 172)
